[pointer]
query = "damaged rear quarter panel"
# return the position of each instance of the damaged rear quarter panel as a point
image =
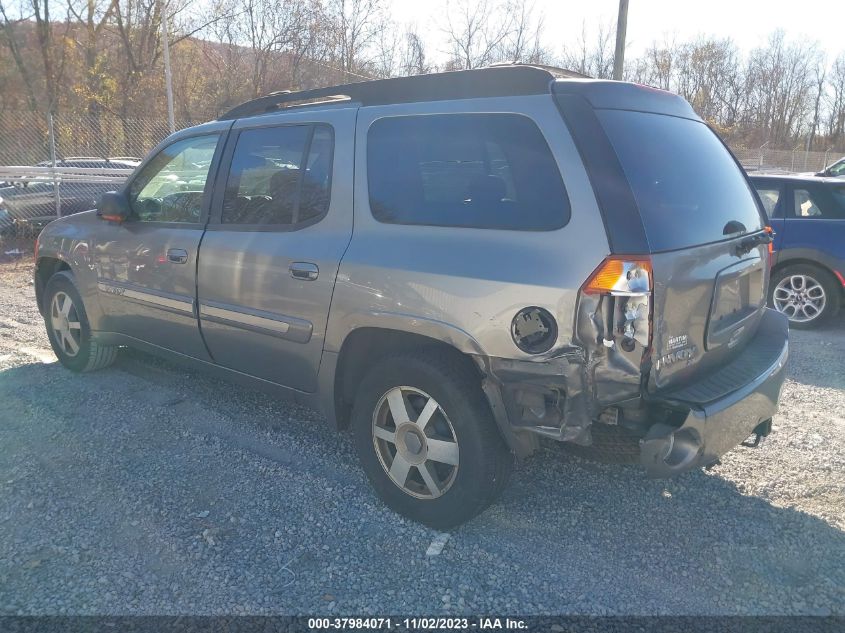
(473, 280)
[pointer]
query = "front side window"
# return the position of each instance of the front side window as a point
(280, 176)
(170, 187)
(492, 171)
(770, 196)
(837, 169)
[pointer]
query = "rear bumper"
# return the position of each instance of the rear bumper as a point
(725, 408)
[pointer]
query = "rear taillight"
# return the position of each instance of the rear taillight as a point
(771, 245)
(623, 285)
(620, 276)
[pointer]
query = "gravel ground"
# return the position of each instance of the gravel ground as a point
(148, 489)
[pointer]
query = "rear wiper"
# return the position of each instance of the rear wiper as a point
(767, 236)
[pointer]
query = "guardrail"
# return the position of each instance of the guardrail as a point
(30, 197)
(26, 174)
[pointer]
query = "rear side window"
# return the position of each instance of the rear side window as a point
(492, 171)
(814, 202)
(838, 193)
(688, 188)
(280, 176)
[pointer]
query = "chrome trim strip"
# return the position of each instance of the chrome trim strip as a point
(242, 318)
(180, 305)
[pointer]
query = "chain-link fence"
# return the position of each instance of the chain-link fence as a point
(54, 166)
(796, 159)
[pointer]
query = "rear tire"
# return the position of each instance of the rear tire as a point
(426, 412)
(68, 328)
(808, 296)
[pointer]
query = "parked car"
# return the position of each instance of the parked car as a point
(533, 256)
(7, 224)
(32, 203)
(836, 170)
(808, 216)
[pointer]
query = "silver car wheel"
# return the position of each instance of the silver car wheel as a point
(64, 319)
(415, 442)
(800, 297)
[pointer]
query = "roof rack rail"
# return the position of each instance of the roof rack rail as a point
(493, 81)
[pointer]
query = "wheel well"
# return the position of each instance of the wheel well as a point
(808, 262)
(46, 268)
(366, 346)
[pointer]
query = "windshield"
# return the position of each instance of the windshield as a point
(688, 188)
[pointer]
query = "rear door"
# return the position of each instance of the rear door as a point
(282, 220)
(699, 217)
(816, 222)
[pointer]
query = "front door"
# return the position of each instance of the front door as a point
(281, 221)
(146, 266)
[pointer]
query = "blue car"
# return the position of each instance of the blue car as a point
(808, 216)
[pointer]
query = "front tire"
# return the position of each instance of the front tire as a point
(427, 440)
(68, 328)
(807, 295)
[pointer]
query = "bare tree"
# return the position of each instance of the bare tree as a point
(356, 27)
(11, 35)
(593, 52)
(781, 87)
(414, 60)
(524, 41)
(35, 16)
(476, 32)
(836, 102)
(92, 17)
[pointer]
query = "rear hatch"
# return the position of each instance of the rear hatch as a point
(699, 221)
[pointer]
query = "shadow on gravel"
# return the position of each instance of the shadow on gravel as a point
(696, 541)
(568, 536)
(817, 357)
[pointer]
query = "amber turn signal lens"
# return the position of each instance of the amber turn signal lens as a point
(621, 274)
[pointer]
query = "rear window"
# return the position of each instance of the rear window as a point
(492, 171)
(687, 186)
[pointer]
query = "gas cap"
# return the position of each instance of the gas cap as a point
(534, 330)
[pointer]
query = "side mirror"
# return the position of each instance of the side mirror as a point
(114, 206)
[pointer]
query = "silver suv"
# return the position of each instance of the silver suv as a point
(455, 266)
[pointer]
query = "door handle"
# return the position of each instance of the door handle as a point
(177, 255)
(304, 270)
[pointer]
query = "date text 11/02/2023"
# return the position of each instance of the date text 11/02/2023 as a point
(421, 623)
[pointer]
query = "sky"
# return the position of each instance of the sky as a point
(748, 22)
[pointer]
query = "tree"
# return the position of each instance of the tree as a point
(836, 102)
(593, 53)
(476, 32)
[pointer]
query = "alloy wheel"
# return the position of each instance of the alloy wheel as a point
(64, 319)
(800, 297)
(415, 442)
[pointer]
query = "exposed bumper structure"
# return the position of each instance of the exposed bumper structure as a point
(725, 408)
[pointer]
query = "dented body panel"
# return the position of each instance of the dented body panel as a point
(626, 354)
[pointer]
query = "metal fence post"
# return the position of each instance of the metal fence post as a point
(56, 193)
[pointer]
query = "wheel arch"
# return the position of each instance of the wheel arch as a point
(803, 260)
(365, 346)
(45, 268)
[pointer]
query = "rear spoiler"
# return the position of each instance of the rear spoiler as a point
(620, 95)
